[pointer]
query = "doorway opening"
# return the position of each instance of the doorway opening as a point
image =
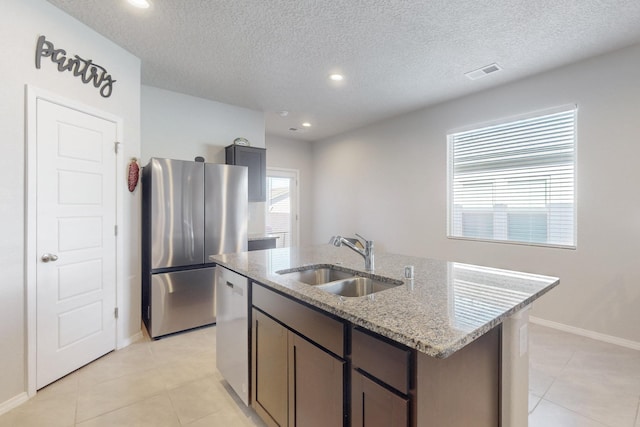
(282, 206)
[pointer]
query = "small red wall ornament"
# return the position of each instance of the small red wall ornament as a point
(134, 174)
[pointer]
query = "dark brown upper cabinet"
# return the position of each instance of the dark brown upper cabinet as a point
(255, 159)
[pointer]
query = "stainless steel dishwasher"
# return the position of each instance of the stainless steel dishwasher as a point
(232, 330)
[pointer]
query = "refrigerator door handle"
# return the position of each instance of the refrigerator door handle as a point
(229, 284)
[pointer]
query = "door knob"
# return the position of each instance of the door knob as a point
(49, 257)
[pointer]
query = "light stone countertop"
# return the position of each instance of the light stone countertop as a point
(252, 237)
(445, 307)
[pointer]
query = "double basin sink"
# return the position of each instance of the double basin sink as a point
(340, 281)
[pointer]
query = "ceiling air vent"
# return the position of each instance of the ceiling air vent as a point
(481, 72)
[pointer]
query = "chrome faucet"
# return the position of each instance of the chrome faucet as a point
(366, 253)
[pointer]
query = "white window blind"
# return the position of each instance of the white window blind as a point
(515, 181)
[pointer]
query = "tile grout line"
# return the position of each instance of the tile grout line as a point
(75, 412)
(574, 351)
(198, 419)
(175, 387)
(578, 413)
(119, 408)
(553, 381)
(173, 406)
(555, 378)
(536, 405)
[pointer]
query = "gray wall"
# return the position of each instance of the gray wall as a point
(289, 154)
(178, 126)
(21, 23)
(389, 180)
(181, 126)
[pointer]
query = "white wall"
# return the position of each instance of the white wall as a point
(290, 154)
(21, 23)
(178, 126)
(389, 180)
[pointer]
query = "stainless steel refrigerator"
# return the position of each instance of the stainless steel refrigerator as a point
(190, 210)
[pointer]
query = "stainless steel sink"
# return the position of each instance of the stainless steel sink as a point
(357, 286)
(343, 282)
(317, 276)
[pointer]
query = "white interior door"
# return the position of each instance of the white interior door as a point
(282, 206)
(75, 240)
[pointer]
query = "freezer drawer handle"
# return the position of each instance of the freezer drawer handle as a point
(229, 284)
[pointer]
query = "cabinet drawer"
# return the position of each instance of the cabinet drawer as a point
(389, 363)
(317, 327)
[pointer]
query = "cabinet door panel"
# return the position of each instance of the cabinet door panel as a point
(374, 406)
(255, 160)
(269, 369)
(316, 385)
(386, 362)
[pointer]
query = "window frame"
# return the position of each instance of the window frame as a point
(505, 121)
(294, 223)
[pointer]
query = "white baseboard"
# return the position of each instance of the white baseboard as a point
(130, 340)
(13, 402)
(634, 345)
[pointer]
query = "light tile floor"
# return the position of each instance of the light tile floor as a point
(169, 382)
(574, 382)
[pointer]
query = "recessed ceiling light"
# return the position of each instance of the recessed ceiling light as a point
(336, 77)
(283, 113)
(306, 124)
(140, 4)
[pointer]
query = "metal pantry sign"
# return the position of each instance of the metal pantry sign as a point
(83, 68)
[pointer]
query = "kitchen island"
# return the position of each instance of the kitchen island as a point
(462, 327)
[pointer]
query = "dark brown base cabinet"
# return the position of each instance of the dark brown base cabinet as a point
(296, 382)
(381, 381)
(303, 376)
(316, 385)
(270, 369)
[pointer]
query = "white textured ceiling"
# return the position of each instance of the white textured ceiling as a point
(396, 55)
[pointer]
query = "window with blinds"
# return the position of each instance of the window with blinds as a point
(515, 181)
